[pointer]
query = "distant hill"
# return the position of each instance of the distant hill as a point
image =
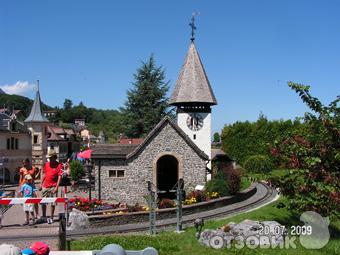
(19, 103)
(2, 92)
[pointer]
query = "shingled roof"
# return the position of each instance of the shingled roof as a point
(36, 115)
(193, 85)
(104, 151)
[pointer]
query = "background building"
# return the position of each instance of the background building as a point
(15, 145)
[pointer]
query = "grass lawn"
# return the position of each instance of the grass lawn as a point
(168, 242)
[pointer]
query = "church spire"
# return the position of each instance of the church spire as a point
(193, 85)
(36, 113)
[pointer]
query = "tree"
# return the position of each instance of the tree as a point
(77, 170)
(146, 102)
(241, 140)
(68, 104)
(315, 185)
(217, 137)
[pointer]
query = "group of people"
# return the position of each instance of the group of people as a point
(37, 248)
(50, 181)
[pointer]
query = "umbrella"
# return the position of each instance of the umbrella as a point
(85, 154)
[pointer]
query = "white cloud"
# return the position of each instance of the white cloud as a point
(19, 88)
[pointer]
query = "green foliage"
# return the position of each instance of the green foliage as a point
(217, 137)
(316, 185)
(218, 184)
(244, 139)
(147, 102)
(258, 164)
(77, 170)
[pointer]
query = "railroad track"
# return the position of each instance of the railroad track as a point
(268, 195)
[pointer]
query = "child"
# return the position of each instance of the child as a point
(2, 195)
(28, 190)
(37, 248)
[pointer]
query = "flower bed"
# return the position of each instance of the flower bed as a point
(98, 206)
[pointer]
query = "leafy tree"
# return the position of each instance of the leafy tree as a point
(217, 137)
(67, 104)
(77, 170)
(146, 102)
(244, 139)
(315, 185)
(258, 164)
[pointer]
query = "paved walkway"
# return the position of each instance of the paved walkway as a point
(14, 217)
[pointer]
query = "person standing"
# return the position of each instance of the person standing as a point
(28, 190)
(27, 168)
(51, 178)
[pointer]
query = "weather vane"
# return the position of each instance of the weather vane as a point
(192, 25)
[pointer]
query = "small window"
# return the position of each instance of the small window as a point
(16, 144)
(116, 173)
(52, 146)
(194, 137)
(120, 173)
(8, 143)
(35, 139)
(12, 143)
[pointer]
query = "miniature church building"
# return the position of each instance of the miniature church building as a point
(172, 150)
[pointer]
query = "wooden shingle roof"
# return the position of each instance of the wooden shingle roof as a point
(192, 85)
(36, 113)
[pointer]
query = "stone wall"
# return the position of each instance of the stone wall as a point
(142, 167)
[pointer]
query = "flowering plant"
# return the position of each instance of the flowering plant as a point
(166, 203)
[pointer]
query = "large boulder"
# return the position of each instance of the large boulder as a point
(255, 233)
(78, 220)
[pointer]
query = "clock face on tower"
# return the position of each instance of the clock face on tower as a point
(195, 121)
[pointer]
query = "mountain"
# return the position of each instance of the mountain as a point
(19, 103)
(2, 92)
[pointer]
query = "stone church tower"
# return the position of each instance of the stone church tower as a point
(37, 124)
(193, 97)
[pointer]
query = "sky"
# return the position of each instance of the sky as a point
(89, 50)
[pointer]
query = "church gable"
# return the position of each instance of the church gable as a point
(171, 136)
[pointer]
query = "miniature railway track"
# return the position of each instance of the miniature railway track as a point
(187, 219)
(161, 225)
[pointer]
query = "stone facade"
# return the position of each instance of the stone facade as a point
(140, 166)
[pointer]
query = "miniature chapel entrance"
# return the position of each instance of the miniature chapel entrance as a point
(167, 176)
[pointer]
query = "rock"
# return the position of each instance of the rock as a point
(257, 233)
(78, 220)
(216, 239)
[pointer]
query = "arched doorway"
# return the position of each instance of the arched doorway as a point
(167, 175)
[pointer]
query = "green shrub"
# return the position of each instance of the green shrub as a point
(218, 184)
(258, 164)
(77, 170)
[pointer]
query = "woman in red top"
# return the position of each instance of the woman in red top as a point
(51, 178)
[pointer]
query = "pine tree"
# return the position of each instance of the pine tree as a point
(147, 102)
